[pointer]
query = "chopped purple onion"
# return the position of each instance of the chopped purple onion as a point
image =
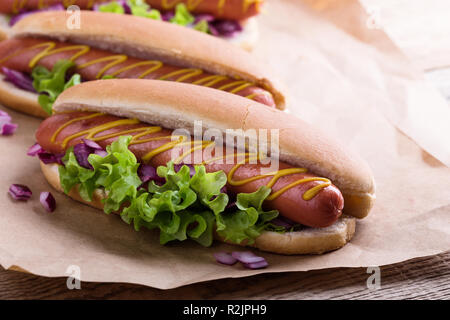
(246, 257)
(166, 16)
(20, 16)
(123, 3)
(18, 79)
(8, 129)
(34, 150)
(148, 173)
(47, 157)
(92, 144)
(225, 258)
(281, 223)
(48, 201)
(44, 156)
(231, 206)
(256, 265)
(224, 28)
(125, 6)
(101, 153)
(177, 167)
(204, 17)
(82, 152)
(4, 117)
(213, 30)
(20, 192)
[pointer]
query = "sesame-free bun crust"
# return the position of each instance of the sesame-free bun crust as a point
(152, 39)
(178, 105)
(20, 100)
(306, 241)
(246, 39)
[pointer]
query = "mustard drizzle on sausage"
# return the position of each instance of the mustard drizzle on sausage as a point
(48, 49)
(18, 5)
(193, 4)
(91, 134)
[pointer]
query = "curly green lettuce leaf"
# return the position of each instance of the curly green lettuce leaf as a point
(202, 26)
(116, 173)
(50, 84)
(72, 174)
(141, 9)
(208, 188)
(250, 220)
(182, 208)
(112, 7)
(182, 15)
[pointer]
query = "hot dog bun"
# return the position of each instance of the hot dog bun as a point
(246, 39)
(176, 105)
(23, 101)
(153, 39)
(306, 241)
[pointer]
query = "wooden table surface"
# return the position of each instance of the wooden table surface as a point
(421, 278)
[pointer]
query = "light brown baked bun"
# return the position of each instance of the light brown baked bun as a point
(305, 241)
(151, 39)
(246, 39)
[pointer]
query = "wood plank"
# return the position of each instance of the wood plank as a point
(422, 278)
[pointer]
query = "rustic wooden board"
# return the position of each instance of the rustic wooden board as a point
(422, 278)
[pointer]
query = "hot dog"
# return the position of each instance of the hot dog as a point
(231, 20)
(161, 61)
(20, 55)
(321, 197)
(320, 211)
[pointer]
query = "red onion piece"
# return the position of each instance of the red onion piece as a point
(101, 153)
(148, 173)
(246, 257)
(177, 167)
(82, 152)
(92, 144)
(166, 16)
(4, 117)
(48, 201)
(256, 265)
(281, 223)
(20, 192)
(8, 129)
(34, 150)
(204, 16)
(225, 258)
(47, 157)
(19, 79)
(225, 28)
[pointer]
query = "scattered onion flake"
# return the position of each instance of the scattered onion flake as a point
(101, 153)
(7, 128)
(48, 201)
(20, 192)
(225, 258)
(92, 144)
(247, 258)
(34, 150)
